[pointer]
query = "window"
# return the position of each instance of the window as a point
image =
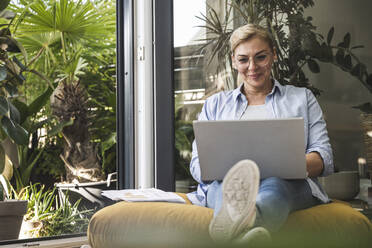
(62, 152)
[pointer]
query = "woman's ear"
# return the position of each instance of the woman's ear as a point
(233, 61)
(275, 56)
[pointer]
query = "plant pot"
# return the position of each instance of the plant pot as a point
(30, 229)
(89, 193)
(11, 216)
(343, 185)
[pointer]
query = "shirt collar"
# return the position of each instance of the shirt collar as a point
(277, 86)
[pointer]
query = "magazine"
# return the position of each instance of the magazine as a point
(143, 195)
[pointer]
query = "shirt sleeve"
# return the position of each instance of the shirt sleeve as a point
(194, 164)
(318, 140)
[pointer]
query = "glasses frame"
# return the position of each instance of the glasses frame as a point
(258, 64)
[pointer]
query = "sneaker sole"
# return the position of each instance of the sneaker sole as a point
(240, 188)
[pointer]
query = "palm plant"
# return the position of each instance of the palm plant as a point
(59, 33)
(296, 42)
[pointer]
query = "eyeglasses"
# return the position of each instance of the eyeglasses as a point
(260, 60)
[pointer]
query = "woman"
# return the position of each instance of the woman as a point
(243, 201)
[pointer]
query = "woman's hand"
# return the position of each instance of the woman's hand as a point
(314, 164)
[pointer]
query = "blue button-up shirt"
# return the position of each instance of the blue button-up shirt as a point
(282, 102)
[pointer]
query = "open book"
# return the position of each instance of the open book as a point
(142, 195)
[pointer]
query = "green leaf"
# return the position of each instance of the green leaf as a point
(11, 89)
(58, 128)
(4, 4)
(3, 73)
(347, 40)
(40, 102)
(16, 132)
(23, 110)
(39, 124)
(19, 63)
(3, 106)
(14, 113)
(340, 56)
(313, 66)
(347, 62)
(327, 54)
(2, 159)
(330, 35)
(107, 144)
(112, 100)
(20, 78)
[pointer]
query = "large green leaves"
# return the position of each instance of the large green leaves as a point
(3, 4)
(4, 108)
(40, 102)
(330, 35)
(77, 20)
(15, 131)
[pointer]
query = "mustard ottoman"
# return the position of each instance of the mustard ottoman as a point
(161, 224)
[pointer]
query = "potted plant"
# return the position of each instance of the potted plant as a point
(297, 44)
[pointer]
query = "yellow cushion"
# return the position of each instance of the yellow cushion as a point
(160, 224)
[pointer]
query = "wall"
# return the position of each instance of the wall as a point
(340, 90)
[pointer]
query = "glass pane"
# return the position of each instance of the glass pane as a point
(189, 82)
(195, 78)
(60, 85)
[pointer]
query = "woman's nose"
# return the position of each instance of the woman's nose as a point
(252, 65)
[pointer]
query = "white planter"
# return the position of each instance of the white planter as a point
(343, 185)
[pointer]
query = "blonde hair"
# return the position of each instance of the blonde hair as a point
(247, 32)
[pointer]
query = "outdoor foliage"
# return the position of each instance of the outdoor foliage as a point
(16, 125)
(184, 135)
(47, 215)
(297, 42)
(73, 44)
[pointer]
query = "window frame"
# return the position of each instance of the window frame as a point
(163, 101)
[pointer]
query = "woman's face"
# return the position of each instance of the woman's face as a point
(253, 60)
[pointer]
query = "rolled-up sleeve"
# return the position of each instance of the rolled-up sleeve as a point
(318, 140)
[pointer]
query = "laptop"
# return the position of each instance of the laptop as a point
(276, 145)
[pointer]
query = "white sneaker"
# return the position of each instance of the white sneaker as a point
(238, 211)
(255, 236)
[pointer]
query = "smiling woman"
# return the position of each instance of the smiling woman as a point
(253, 58)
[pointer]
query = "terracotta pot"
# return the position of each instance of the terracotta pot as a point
(11, 216)
(343, 185)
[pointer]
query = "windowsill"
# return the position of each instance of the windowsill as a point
(54, 243)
